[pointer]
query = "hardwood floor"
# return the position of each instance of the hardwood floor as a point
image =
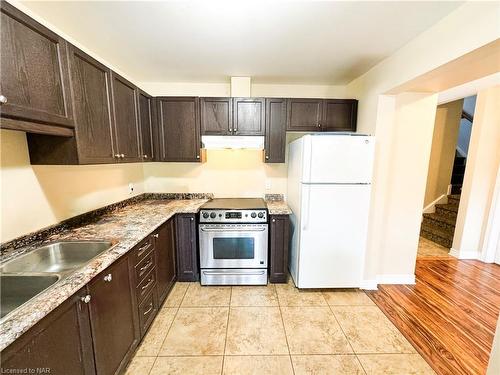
(450, 315)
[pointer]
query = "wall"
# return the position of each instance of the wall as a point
(444, 141)
(33, 197)
(483, 162)
(470, 27)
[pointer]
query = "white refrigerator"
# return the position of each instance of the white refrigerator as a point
(329, 187)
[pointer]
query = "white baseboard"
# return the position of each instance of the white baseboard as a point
(368, 284)
(464, 254)
(429, 209)
(396, 279)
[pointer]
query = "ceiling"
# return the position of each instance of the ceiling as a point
(271, 41)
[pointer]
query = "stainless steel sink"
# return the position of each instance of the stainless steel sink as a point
(56, 257)
(15, 290)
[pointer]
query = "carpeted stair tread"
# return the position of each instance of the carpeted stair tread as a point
(448, 207)
(437, 234)
(445, 233)
(445, 219)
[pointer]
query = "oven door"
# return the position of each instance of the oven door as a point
(233, 245)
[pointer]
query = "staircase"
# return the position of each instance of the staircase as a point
(439, 227)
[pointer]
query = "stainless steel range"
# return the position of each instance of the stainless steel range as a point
(233, 235)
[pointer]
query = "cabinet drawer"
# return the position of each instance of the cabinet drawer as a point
(144, 266)
(147, 311)
(143, 249)
(146, 285)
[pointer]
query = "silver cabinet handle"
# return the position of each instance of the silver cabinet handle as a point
(108, 277)
(3, 99)
(274, 220)
(319, 125)
(145, 267)
(147, 284)
(117, 156)
(85, 299)
(197, 156)
(145, 156)
(149, 309)
(156, 235)
(267, 157)
(122, 155)
(192, 219)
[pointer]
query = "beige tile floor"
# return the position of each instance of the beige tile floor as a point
(428, 248)
(274, 329)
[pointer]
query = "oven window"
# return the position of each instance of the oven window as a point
(234, 248)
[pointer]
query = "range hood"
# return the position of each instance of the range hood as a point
(220, 142)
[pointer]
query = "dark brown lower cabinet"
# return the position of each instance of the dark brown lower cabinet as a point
(279, 242)
(115, 330)
(186, 249)
(165, 259)
(61, 342)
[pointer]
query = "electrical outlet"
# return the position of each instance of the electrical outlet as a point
(268, 185)
(130, 188)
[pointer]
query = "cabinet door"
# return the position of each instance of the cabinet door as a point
(279, 238)
(304, 114)
(248, 116)
(34, 79)
(340, 115)
(165, 261)
(186, 249)
(113, 318)
(275, 142)
(125, 119)
(91, 82)
(216, 116)
(60, 342)
(145, 103)
(180, 128)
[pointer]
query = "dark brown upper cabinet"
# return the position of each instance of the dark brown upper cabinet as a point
(125, 119)
(275, 141)
(304, 114)
(34, 83)
(322, 115)
(340, 115)
(146, 119)
(216, 116)
(61, 341)
(179, 128)
(248, 116)
(115, 329)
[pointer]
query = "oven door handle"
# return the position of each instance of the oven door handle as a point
(219, 230)
(235, 273)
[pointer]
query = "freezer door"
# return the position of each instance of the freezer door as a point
(338, 159)
(333, 235)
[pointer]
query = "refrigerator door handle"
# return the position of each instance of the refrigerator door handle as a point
(308, 203)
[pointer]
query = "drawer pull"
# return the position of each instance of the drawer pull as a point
(143, 248)
(149, 309)
(147, 284)
(108, 277)
(146, 266)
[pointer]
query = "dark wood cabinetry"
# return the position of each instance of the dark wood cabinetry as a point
(146, 119)
(275, 141)
(165, 259)
(179, 128)
(279, 242)
(216, 116)
(322, 115)
(125, 119)
(340, 115)
(34, 83)
(186, 249)
(248, 116)
(304, 114)
(115, 331)
(61, 342)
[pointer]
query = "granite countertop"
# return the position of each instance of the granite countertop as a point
(276, 204)
(125, 227)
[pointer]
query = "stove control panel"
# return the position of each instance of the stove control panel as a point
(233, 216)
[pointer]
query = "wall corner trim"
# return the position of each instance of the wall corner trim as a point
(464, 254)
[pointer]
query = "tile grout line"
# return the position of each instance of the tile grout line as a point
(286, 337)
(227, 329)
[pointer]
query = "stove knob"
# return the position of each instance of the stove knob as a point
(205, 215)
(253, 215)
(212, 215)
(261, 215)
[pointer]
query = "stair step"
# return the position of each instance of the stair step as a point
(437, 234)
(454, 199)
(437, 220)
(449, 210)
